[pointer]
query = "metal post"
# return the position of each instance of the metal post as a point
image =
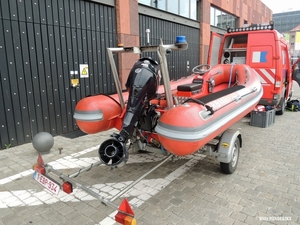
(148, 36)
(115, 74)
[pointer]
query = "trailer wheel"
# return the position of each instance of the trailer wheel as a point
(230, 167)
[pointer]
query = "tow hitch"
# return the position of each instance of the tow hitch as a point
(67, 183)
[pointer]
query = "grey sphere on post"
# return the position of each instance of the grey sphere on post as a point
(43, 142)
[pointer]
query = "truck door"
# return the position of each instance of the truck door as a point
(296, 71)
(261, 56)
(214, 47)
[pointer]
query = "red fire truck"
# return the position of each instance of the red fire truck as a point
(265, 50)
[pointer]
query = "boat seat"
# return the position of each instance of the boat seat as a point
(189, 87)
(219, 94)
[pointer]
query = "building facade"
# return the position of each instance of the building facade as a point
(294, 40)
(53, 53)
(286, 21)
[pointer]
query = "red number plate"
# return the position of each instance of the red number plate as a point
(46, 183)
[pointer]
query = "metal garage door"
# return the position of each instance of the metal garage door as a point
(43, 44)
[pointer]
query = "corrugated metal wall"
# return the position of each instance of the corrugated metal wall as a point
(177, 60)
(41, 42)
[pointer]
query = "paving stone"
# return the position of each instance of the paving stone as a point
(274, 211)
(187, 214)
(237, 222)
(222, 202)
(296, 211)
(252, 192)
(250, 220)
(233, 198)
(211, 215)
(56, 219)
(225, 211)
(210, 198)
(249, 211)
(294, 202)
(238, 216)
(213, 223)
(199, 220)
(175, 210)
(255, 199)
(235, 207)
(225, 220)
(173, 219)
(5, 213)
(176, 201)
(269, 203)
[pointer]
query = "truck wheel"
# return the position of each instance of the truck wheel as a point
(280, 109)
(230, 167)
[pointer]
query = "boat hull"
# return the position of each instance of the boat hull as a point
(97, 113)
(186, 128)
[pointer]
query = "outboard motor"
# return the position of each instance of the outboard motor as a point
(142, 84)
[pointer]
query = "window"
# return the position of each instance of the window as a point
(161, 4)
(221, 19)
(173, 7)
(185, 8)
(145, 2)
(193, 9)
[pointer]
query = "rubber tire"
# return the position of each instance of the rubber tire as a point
(282, 107)
(229, 168)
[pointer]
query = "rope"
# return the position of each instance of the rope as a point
(200, 103)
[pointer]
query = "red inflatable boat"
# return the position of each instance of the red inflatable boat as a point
(180, 116)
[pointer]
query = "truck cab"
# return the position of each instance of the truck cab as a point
(266, 51)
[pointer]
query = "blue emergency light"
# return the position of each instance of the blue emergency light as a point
(180, 40)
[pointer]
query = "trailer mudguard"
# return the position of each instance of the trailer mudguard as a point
(226, 144)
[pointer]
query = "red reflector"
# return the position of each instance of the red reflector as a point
(40, 160)
(122, 218)
(67, 187)
(40, 169)
(39, 166)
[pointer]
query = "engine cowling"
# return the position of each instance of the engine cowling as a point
(142, 84)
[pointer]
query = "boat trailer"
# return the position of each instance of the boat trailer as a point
(225, 149)
(125, 214)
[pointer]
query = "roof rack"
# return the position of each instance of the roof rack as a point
(252, 27)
